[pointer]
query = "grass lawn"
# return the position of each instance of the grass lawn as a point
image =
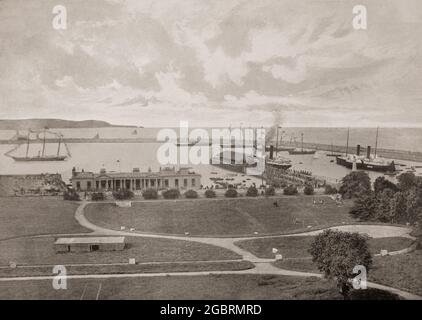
(221, 287)
(402, 271)
(35, 251)
(297, 247)
(221, 217)
(37, 215)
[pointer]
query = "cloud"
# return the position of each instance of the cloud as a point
(212, 62)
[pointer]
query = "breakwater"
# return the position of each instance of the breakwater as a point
(386, 153)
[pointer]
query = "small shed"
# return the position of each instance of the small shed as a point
(89, 244)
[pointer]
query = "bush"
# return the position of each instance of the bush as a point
(71, 195)
(231, 193)
(123, 194)
(252, 192)
(191, 194)
(329, 189)
(210, 193)
(308, 190)
(270, 191)
(171, 194)
(97, 196)
(290, 190)
(150, 194)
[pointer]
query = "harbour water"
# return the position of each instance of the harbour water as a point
(126, 156)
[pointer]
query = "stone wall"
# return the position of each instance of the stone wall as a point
(31, 185)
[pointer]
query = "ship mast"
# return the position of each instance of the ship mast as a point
(27, 145)
(376, 143)
(302, 140)
(58, 148)
(347, 144)
(43, 144)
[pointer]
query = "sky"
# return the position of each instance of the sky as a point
(213, 62)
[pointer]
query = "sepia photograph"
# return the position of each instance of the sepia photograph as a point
(210, 155)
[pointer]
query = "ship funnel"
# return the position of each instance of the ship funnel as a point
(358, 150)
(271, 152)
(368, 153)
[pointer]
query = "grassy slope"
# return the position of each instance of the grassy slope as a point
(30, 216)
(220, 217)
(186, 288)
(34, 251)
(402, 271)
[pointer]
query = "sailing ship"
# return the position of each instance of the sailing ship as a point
(301, 150)
(370, 162)
(41, 156)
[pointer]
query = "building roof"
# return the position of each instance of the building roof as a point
(166, 172)
(90, 240)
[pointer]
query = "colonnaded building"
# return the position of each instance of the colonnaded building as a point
(165, 178)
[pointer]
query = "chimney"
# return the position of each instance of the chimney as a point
(136, 170)
(358, 150)
(271, 152)
(368, 154)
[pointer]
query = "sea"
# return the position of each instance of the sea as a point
(124, 157)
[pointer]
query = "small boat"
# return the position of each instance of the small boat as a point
(188, 144)
(390, 173)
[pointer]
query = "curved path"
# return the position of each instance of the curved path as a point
(262, 266)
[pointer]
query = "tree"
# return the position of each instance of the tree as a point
(123, 194)
(365, 207)
(354, 184)
(290, 190)
(381, 183)
(252, 191)
(399, 208)
(191, 194)
(231, 193)
(308, 190)
(210, 193)
(150, 194)
(407, 181)
(384, 210)
(171, 194)
(336, 253)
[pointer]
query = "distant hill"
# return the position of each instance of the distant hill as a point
(22, 124)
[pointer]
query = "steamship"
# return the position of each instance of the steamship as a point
(370, 162)
(277, 162)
